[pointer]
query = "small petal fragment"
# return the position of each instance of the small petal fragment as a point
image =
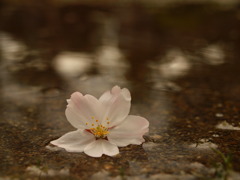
(68, 101)
(129, 132)
(74, 141)
(100, 147)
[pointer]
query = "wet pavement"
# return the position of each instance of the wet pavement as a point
(179, 61)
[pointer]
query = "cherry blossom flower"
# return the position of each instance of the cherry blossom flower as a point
(102, 124)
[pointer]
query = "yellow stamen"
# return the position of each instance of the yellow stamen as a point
(100, 131)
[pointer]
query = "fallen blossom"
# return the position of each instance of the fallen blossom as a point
(102, 124)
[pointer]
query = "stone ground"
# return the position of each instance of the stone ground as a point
(179, 60)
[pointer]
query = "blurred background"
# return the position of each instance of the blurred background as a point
(179, 58)
(62, 43)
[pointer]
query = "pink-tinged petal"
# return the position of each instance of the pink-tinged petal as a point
(74, 141)
(105, 97)
(117, 104)
(116, 90)
(82, 111)
(129, 132)
(100, 147)
(109, 96)
(75, 118)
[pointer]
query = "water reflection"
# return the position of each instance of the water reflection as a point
(214, 54)
(110, 56)
(72, 64)
(174, 65)
(11, 49)
(112, 63)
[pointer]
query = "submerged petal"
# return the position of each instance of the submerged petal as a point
(74, 141)
(100, 147)
(83, 110)
(116, 104)
(129, 132)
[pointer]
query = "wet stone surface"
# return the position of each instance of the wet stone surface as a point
(180, 63)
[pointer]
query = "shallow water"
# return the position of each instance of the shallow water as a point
(179, 61)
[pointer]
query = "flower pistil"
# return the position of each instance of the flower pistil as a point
(99, 131)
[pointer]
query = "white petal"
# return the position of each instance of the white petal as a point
(109, 148)
(83, 109)
(75, 119)
(105, 97)
(126, 94)
(100, 147)
(94, 149)
(74, 141)
(117, 105)
(129, 132)
(116, 90)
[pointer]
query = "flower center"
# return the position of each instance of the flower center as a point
(100, 131)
